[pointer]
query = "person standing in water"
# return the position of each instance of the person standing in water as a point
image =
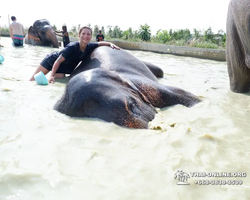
(100, 36)
(16, 32)
(65, 61)
(65, 35)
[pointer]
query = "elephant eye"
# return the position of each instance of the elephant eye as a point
(133, 107)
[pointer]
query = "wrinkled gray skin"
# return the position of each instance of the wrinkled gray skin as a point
(238, 45)
(115, 86)
(42, 34)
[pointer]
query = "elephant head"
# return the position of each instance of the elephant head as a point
(106, 96)
(238, 45)
(43, 31)
(115, 86)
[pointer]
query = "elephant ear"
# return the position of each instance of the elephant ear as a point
(32, 32)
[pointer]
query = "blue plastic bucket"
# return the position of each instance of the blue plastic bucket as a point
(1, 59)
(41, 79)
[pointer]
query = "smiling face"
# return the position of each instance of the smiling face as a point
(85, 35)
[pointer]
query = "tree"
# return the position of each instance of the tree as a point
(163, 36)
(96, 30)
(170, 32)
(128, 34)
(103, 31)
(117, 32)
(182, 34)
(196, 33)
(89, 25)
(110, 32)
(74, 31)
(145, 32)
(54, 27)
(209, 36)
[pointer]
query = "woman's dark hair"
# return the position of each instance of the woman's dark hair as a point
(84, 27)
(64, 27)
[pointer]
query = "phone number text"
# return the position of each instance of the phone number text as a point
(218, 182)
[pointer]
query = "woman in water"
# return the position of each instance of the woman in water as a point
(65, 35)
(65, 61)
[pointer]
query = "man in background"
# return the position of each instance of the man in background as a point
(100, 37)
(16, 32)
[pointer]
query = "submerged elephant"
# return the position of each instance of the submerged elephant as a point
(42, 34)
(238, 45)
(115, 86)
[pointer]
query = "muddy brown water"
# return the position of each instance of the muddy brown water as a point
(47, 155)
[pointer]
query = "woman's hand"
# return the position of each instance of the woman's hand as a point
(55, 67)
(113, 46)
(51, 79)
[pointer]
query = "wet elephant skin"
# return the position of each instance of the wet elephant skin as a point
(115, 86)
(238, 45)
(42, 34)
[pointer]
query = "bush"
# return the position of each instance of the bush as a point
(183, 34)
(96, 30)
(163, 36)
(128, 34)
(182, 37)
(196, 34)
(209, 45)
(145, 32)
(115, 33)
(209, 36)
(181, 42)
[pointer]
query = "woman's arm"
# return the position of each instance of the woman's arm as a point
(66, 34)
(58, 34)
(57, 31)
(113, 46)
(55, 67)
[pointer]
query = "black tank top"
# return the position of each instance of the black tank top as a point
(65, 40)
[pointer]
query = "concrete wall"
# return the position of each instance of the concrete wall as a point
(5, 33)
(212, 54)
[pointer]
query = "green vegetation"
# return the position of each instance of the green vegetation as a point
(5, 29)
(145, 33)
(182, 37)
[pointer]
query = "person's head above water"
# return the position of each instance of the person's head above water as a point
(85, 35)
(64, 28)
(85, 27)
(13, 18)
